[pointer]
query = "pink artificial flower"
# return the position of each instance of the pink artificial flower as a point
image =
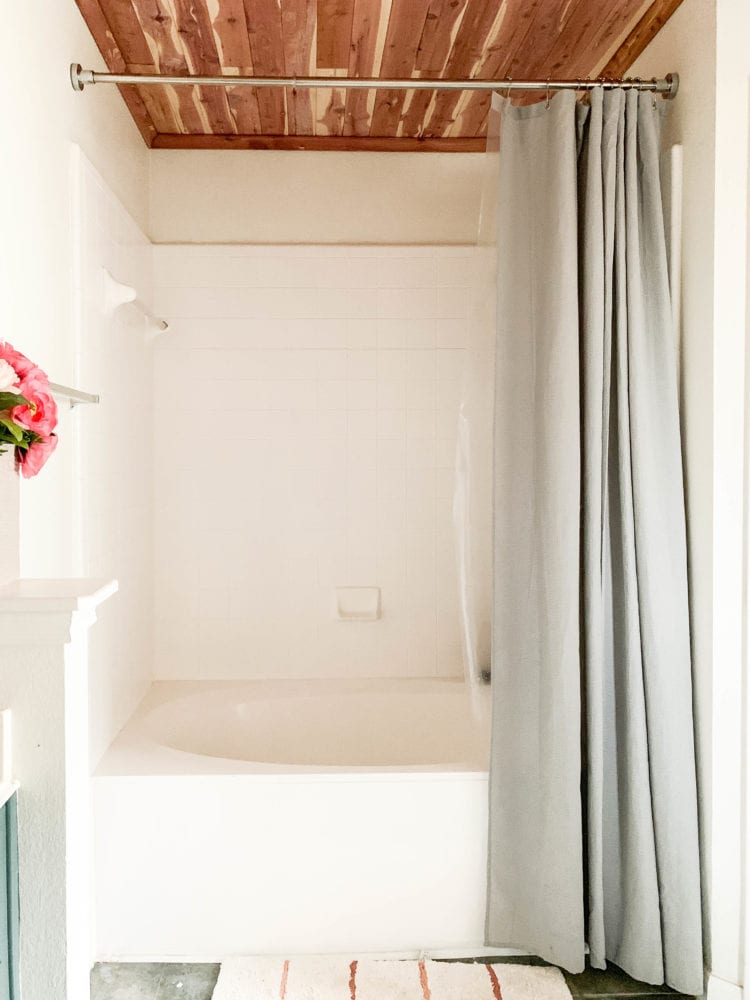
(42, 416)
(19, 361)
(31, 461)
(9, 377)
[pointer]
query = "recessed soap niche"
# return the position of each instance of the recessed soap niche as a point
(357, 604)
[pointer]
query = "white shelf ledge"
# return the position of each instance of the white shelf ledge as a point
(44, 596)
(74, 397)
(49, 612)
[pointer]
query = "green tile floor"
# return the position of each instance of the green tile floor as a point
(158, 981)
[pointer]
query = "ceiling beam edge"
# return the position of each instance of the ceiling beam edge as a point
(341, 143)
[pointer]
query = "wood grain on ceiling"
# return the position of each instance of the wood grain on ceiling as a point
(450, 39)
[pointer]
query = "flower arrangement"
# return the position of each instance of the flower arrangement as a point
(28, 412)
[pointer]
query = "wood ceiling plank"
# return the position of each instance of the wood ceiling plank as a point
(512, 32)
(375, 144)
(369, 22)
(332, 108)
(602, 38)
(581, 33)
(334, 20)
(416, 111)
(437, 36)
(233, 44)
(652, 21)
(163, 105)
(233, 47)
(405, 27)
(158, 26)
(298, 30)
(435, 44)
(107, 44)
(265, 32)
(543, 31)
(126, 29)
(243, 105)
(476, 25)
(159, 29)
(197, 39)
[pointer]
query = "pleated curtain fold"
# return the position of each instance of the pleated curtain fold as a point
(593, 802)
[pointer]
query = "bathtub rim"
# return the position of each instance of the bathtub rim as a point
(136, 753)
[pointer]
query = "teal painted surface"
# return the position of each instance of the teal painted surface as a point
(13, 908)
(9, 912)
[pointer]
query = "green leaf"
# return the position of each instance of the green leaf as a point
(12, 428)
(10, 399)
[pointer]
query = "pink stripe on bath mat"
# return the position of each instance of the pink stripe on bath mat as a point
(495, 983)
(353, 980)
(423, 982)
(284, 978)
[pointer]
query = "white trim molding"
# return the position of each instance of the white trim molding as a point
(44, 682)
(720, 989)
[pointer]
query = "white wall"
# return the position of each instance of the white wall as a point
(307, 407)
(707, 43)
(238, 196)
(730, 318)
(112, 445)
(41, 116)
(687, 45)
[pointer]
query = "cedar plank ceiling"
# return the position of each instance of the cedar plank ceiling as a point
(450, 39)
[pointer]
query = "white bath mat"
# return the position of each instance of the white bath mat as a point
(369, 979)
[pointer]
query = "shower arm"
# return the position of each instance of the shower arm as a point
(80, 78)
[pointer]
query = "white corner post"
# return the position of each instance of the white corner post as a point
(44, 681)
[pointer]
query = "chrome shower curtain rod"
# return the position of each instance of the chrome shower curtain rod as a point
(81, 78)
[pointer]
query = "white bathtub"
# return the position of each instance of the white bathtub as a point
(297, 817)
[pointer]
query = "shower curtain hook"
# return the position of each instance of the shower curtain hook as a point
(547, 104)
(510, 87)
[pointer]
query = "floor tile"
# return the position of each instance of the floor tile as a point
(125, 981)
(188, 982)
(611, 982)
(515, 960)
(153, 981)
(196, 981)
(651, 996)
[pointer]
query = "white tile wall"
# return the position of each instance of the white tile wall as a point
(306, 403)
(113, 452)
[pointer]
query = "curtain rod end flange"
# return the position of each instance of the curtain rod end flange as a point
(673, 79)
(79, 76)
(75, 76)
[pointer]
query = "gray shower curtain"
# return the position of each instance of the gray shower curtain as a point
(593, 812)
